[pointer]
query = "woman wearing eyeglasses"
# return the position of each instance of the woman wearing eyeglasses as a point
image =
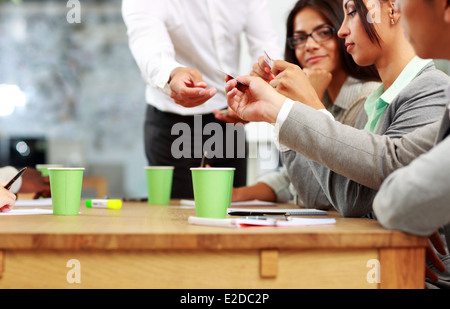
(350, 164)
(343, 86)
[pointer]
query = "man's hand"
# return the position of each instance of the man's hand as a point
(188, 88)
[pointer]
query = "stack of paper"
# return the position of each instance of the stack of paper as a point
(34, 211)
(36, 202)
(244, 222)
(276, 211)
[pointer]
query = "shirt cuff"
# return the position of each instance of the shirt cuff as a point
(282, 115)
(326, 112)
(284, 112)
(162, 79)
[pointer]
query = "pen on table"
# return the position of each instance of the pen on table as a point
(135, 199)
(11, 182)
(275, 217)
(249, 213)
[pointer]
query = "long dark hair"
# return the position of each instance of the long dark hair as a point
(332, 11)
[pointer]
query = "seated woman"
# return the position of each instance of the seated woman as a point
(342, 86)
(351, 163)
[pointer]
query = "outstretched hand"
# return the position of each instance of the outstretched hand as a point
(188, 88)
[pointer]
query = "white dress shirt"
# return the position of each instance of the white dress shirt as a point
(281, 117)
(202, 34)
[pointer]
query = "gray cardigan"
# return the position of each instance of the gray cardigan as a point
(345, 109)
(416, 198)
(349, 163)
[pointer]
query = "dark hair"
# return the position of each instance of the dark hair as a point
(333, 13)
(362, 11)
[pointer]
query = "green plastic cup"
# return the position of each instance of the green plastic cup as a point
(212, 191)
(43, 168)
(159, 184)
(65, 187)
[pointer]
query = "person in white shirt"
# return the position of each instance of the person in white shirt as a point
(182, 49)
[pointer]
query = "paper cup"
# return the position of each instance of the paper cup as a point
(65, 186)
(43, 168)
(159, 184)
(212, 191)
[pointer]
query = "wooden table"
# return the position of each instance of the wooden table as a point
(142, 246)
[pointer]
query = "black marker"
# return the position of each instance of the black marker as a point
(10, 183)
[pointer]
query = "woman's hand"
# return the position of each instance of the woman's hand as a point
(228, 115)
(320, 80)
(256, 102)
(262, 69)
(7, 198)
(292, 82)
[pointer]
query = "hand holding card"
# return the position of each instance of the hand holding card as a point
(241, 86)
(268, 60)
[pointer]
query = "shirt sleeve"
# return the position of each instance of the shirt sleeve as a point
(279, 182)
(260, 32)
(283, 114)
(149, 40)
(351, 164)
(415, 199)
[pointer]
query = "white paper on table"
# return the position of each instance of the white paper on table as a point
(191, 203)
(276, 211)
(242, 222)
(35, 211)
(35, 203)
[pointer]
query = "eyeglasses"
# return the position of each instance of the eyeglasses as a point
(319, 35)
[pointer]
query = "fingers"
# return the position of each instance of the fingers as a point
(262, 69)
(431, 274)
(5, 208)
(191, 97)
(279, 66)
(438, 243)
(434, 258)
(7, 200)
(228, 116)
(188, 87)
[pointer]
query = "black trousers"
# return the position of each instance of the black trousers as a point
(180, 141)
